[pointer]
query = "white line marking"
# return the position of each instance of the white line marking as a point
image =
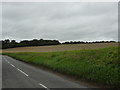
(12, 65)
(26, 74)
(8, 62)
(44, 86)
(22, 72)
(5, 59)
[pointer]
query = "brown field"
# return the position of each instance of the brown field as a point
(54, 48)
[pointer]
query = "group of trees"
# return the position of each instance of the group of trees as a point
(12, 43)
(83, 42)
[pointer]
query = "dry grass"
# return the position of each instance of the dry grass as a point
(54, 48)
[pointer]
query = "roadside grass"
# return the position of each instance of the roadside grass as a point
(100, 66)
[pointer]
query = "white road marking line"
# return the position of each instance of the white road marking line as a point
(12, 65)
(17, 68)
(44, 86)
(5, 59)
(26, 74)
(8, 62)
(22, 72)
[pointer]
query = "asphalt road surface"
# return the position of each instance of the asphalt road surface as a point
(17, 74)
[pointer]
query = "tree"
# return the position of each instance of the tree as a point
(7, 41)
(13, 42)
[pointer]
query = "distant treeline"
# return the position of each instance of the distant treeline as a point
(82, 42)
(12, 43)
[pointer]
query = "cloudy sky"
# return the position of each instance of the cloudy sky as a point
(81, 21)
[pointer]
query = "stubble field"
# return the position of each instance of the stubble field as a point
(55, 48)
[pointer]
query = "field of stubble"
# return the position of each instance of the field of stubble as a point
(55, 48)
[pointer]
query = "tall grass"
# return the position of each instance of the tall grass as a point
(99, 65)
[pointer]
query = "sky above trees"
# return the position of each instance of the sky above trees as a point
(85, 21)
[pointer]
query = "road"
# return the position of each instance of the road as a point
(17, 74)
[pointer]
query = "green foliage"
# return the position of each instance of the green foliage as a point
(12, 44)
(99, 65)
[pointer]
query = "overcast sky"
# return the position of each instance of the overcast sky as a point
(62, 21)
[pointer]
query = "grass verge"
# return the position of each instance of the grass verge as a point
(99, 65)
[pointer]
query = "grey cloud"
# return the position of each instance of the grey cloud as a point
(62, 21)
